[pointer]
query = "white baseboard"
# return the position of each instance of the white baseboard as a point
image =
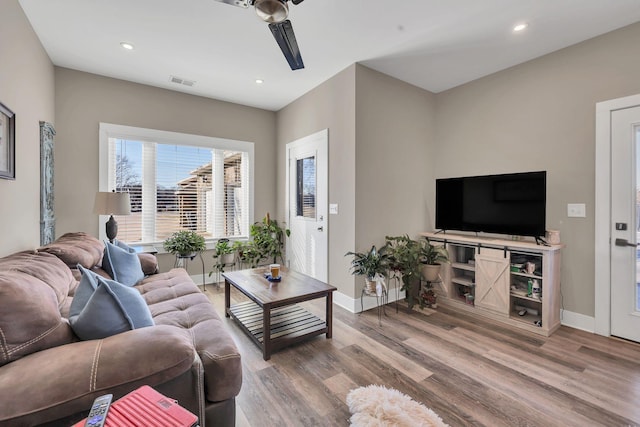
(353, 304)
(578, 321)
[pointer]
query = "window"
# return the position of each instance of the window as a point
(178, 182)
(306, 187)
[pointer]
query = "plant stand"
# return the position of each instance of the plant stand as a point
(381, 301)
(395, 277)
(220, 269)
(182, 261)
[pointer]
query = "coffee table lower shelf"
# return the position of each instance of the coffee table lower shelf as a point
(289, 324)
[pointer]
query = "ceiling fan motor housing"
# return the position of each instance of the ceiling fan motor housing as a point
(272, 10)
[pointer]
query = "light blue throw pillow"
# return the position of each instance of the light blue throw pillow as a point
(122, 263)
(86, 288)
(111, 309)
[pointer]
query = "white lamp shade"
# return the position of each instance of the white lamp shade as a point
(111, 203)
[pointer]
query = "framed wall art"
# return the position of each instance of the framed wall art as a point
(7, 143)
(47, 216)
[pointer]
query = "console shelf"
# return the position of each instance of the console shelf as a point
(502, 278)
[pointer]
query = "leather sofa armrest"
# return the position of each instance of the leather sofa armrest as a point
(149, 263)
(70, 376)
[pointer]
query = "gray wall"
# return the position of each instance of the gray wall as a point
(394, 139)
(330, 105)
(380, 130)
(27, 88)
(84, 100)
(541, 116)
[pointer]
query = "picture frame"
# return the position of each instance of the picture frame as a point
(7, 143)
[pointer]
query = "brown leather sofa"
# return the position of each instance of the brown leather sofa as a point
(48, 376)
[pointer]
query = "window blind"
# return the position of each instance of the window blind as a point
(180, 187)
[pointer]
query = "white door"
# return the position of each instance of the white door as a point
(625, 224)
(307, 196)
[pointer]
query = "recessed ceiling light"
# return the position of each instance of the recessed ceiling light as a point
(520, 27)
(126, 45)
(259, 81)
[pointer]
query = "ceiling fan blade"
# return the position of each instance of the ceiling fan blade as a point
(283, 33)
(296, 1)
(239, 3)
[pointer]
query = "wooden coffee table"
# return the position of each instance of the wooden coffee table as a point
(271, 318)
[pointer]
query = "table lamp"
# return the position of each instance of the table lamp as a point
(112, 203)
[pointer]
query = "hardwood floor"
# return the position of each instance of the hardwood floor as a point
(469, 370)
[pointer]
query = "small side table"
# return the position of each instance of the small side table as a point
(183, 261)
(145, 249)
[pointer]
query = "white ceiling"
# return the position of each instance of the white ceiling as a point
(433, 44)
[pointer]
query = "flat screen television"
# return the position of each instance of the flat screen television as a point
(512, 203)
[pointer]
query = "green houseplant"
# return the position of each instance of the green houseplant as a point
(416, 260)
(247, 253)
(369, 264)
(224, 254)
(406, 255)
(268, 240)
(184, 243)
(431, 257)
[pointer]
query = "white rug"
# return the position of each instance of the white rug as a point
(379, 406)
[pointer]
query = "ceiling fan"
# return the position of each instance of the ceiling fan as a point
(275, 13)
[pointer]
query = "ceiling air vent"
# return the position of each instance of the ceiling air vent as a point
(181, 81)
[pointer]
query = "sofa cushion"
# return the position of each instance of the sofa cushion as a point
(122, 263)
(33, 287)
(106, 307)
(175, 300)
(76, 248)
(64, 380)
(149, 263)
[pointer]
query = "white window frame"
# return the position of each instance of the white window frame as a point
(109, 130)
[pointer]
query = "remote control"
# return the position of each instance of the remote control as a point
(98, 413)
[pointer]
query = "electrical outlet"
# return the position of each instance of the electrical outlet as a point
(576, 210)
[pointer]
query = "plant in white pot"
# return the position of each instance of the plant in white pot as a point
(432, 257)
(369, 264)
(224, 254)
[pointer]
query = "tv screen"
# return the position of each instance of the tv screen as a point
(504, 204)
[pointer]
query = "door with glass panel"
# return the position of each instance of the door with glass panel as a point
(307, 179)
(625, 223)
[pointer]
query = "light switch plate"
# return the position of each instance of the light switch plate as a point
(576, 210)
(333, 208)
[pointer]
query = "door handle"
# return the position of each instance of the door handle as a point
(625, 242)
(321, 228)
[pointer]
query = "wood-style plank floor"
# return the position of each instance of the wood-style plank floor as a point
(469, 370)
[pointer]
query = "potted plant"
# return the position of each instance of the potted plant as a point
(431, 257)
(185, 243)
(224, 254)
(268, 240)
(369, 264)
(247, 253)
(405, 254)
